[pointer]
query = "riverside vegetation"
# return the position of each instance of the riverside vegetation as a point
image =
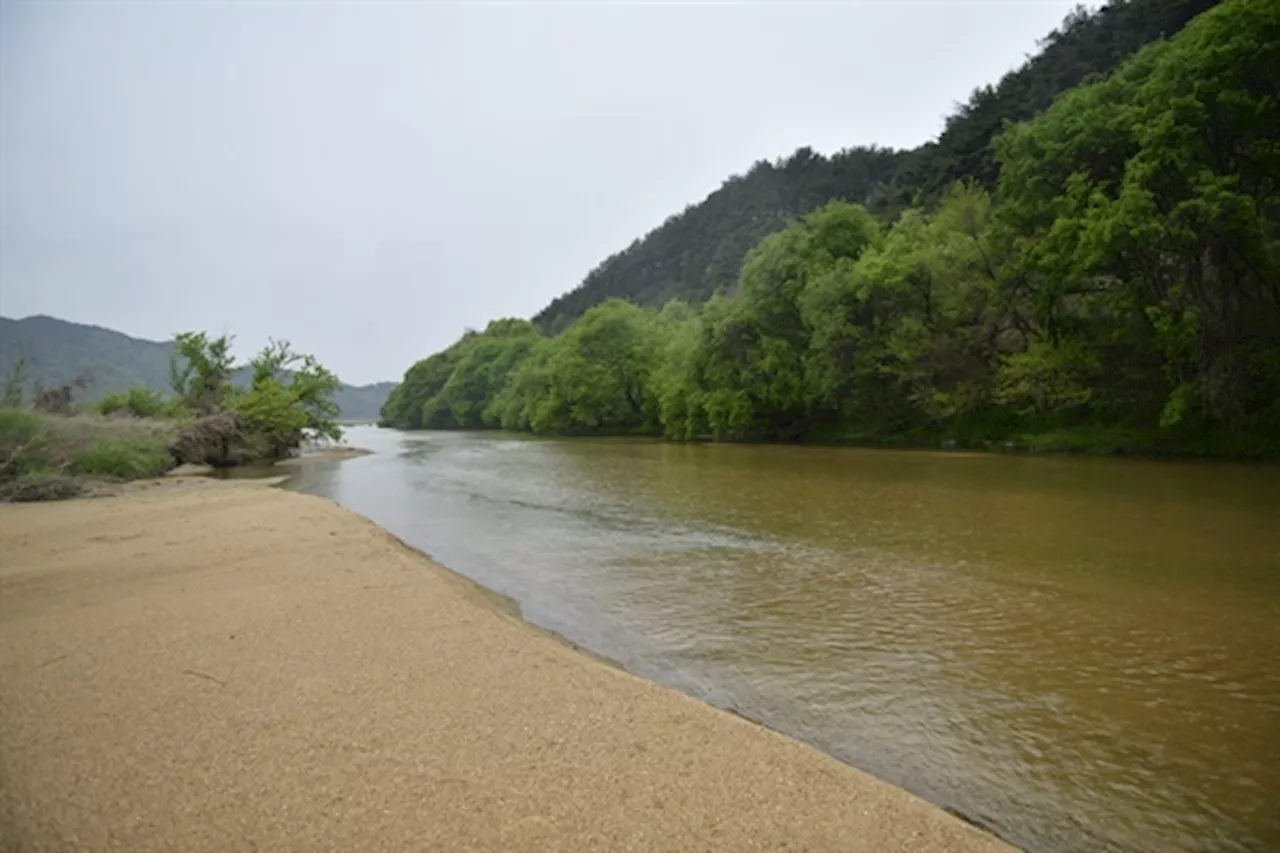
(1106, 278)
(56, 352)
(55, 449)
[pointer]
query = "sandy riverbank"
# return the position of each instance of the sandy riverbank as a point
(210, 666)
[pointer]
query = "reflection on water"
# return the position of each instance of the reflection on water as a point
(1078, 654)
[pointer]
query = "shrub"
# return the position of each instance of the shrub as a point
(42, 456)
(41, 486)
(125, 458)
(216, 440)
(23, 443)
(141, 402)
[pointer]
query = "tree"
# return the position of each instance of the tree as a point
(702, 248)
(289, 400)
(469, 395)
(754, 367)
(1147, 218)
(15, 383)
(200, 371)
(140, 402)
(595, 375)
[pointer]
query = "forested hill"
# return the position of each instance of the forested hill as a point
(697, 251)
(1088, 44)
(1118, 289)
(57, 352)
(702, 248)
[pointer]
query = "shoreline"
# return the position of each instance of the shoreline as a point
(332, 454)
(207, 664)
(511, 607)
(1061, 444)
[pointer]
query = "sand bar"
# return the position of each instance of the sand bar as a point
(203, 666)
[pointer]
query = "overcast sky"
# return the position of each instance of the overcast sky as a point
(369, 179)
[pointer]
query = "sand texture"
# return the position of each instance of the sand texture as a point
(203, 666)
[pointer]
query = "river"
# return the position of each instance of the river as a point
(1077, 654)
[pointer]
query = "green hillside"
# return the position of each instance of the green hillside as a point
(1115, 287)
(701, 249)
(1088, 45)
(59, 352)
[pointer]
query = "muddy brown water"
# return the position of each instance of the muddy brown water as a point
(1078, 654)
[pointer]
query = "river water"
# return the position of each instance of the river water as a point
(1077, 654)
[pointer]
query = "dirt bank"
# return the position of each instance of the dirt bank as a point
(212, 666)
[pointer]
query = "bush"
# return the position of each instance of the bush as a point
(124, 458)
(273, 418)
(141, 402)
(41, 486)
(216, 440)
(23, 443)
(43, 456)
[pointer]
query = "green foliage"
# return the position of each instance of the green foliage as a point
(41, 486)
(45, 456)
(14, 387)
(276, 424)
(139, 402)
(1147, 216)
(1116, 292)
(765, 362)
(1046, 377)
(23, 443)
(422, 382)
(673, 386)
(46, 353)
(290, 398)
(592, 377)
(1088, 45)
(422, 400)
(469, 396)
(143, 455)
(702, 249)
(200, 371)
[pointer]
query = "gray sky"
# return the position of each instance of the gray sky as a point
(368, 179)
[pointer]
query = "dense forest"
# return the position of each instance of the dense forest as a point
(1115, 283)
(1088, 44)
(700, 251)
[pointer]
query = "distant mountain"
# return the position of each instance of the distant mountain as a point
(362, 402)
(58, 352)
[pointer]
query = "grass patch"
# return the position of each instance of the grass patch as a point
(24, 440)
(124, 459)
(43, 486)
(45, 456)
